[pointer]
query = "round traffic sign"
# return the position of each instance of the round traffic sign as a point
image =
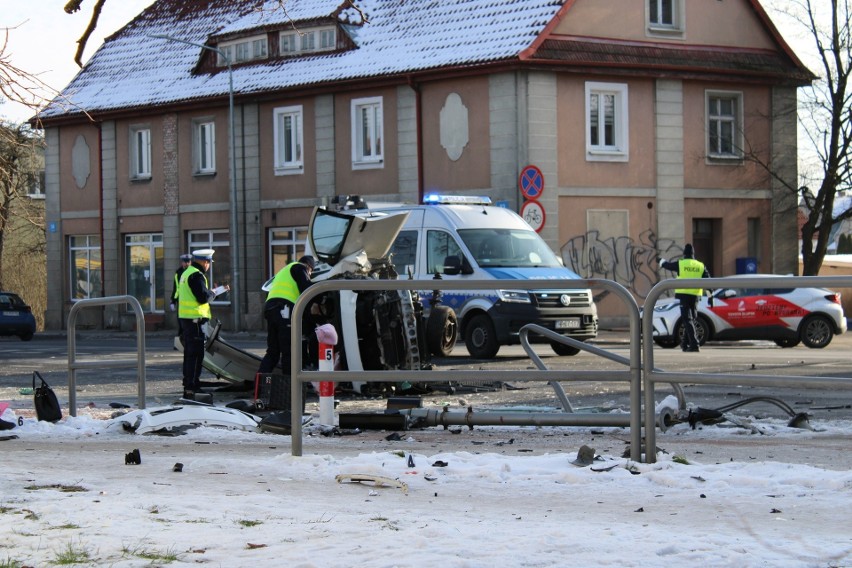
(531, 182)
(533, 214)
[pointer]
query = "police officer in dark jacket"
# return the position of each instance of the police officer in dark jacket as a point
(284, 290)
(688, 267)
(194, 311)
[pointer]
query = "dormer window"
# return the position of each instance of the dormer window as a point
(243, 50)
(310, 40)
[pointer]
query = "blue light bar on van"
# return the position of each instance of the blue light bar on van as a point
(438, 199)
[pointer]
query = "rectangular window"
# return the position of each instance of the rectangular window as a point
(84, 260)
(328, 39)
(225, 55)
(288, 140)
(606, 122)
(258, 49)
(308, 41)
(724, 120)
(204, 146)
(367, 133)
(140, 152)
(145, 272)
(220, 268)
(287, 43)
(286, 245)
(242, 50)
(665, 17)
(36, 185)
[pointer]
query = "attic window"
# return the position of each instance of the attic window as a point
(309, 40)
(243, 49)
(664, 17)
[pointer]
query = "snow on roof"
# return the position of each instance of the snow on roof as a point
(133, 69)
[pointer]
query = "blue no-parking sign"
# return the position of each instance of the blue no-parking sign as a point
(531, 182)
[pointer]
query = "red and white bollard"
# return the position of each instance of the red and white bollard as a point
(326, 388)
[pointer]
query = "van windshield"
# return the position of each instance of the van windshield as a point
(508, 248)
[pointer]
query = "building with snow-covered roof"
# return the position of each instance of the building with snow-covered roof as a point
(636, 113)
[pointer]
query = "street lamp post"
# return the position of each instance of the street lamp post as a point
(235, 228)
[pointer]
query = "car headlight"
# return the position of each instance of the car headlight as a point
(666, 307)
(516, 296)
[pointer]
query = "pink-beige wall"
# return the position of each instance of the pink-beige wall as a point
(473, 168)
(296, 186)
(369, 181)
(707, 22)
(574, 169)
(700, 174)
(72, 197)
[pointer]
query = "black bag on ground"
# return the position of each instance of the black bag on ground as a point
(46, 405)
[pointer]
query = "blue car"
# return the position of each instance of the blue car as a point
(16, 317)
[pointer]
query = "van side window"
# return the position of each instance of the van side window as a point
(404, 250)
(440, 245)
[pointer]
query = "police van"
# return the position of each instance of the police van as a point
(467, 238)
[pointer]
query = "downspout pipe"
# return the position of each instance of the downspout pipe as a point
(418, 112)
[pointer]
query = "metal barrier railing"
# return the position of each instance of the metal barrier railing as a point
(653, 375)
(299, 376)
(74, 364)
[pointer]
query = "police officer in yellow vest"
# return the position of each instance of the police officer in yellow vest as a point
(290, 281)
(193, 311)
(688, 267)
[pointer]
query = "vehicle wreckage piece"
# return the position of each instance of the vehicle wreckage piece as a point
(168, 418)
(224, 360)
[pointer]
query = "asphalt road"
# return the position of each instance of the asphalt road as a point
(47, 354)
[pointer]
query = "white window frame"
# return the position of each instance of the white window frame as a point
(288, 43)
(88, 249)
(218, 240)
(140, 152)
(327, 39)
(619, 149)
(284, 164)
(204, 146)
(656, 27)
(151, 245)
(715, 121)
(367, 133)
(308, 41)
(286, 244)
(243, 50)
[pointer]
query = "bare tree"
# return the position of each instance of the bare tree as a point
(825, 114)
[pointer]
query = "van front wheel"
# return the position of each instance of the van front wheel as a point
(480, 338)
(441, 331)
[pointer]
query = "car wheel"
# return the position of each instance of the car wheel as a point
(816, 332)
(702, 331)
(667, 343)
(26, 336)
(564, 350)
(442, 330)
(480, 338)
(786, 342)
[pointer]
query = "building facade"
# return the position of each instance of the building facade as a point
(649, 123)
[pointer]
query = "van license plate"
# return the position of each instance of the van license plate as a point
(12, 314)
(573, 323)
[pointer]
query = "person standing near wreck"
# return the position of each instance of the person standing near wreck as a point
(185, 261)
(284, 290)
(688, 267)
(193, 312)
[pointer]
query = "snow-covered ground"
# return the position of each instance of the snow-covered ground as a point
(492, 496)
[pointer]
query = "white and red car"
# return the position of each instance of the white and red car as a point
(787, 316)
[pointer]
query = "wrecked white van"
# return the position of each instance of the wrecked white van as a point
(466, 238)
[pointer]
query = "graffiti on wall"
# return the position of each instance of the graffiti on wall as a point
(631, 263)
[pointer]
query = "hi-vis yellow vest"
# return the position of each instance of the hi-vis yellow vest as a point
(284, 286)
(189, 308)
(690, 268)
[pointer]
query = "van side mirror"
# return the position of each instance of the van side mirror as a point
(454, 265)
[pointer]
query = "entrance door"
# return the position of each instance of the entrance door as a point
(705, 240)
(145, 271)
